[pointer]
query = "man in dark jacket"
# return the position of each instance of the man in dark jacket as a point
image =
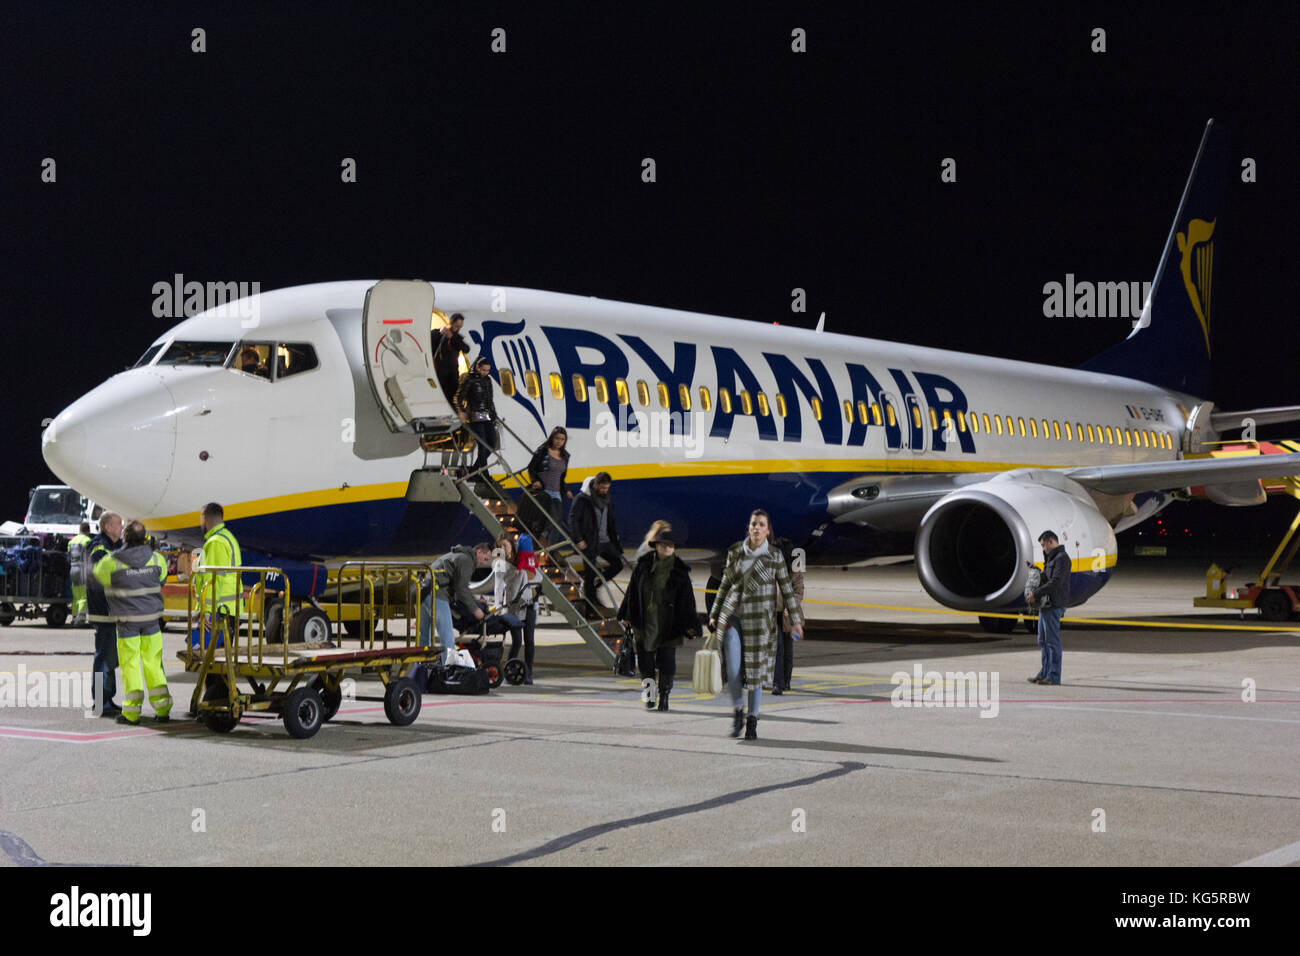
(107, 541)
(448, 346)
(1051, 597)
(453, 572)
(476, 408)
(660, 606)
(594, 529)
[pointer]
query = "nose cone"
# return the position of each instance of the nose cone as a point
(116, 443)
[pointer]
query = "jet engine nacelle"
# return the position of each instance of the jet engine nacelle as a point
(974, 546)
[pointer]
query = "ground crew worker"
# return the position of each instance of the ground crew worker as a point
(108, 540)
(452, 572)
(132, 580)
(220, 550)
(78, 555)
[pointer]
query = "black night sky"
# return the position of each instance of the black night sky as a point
(775, 170)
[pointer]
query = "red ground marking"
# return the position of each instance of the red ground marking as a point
(75, 737)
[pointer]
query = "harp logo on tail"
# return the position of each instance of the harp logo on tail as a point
(1197, 266)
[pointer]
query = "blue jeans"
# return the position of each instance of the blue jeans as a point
(106, 659)
(441, 610)
(732, 650)
(1049, 639)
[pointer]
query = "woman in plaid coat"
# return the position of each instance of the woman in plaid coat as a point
(745, 613)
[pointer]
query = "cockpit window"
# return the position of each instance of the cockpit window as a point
(148, 356)
(292, 358)
(252, 358)
(197, 353)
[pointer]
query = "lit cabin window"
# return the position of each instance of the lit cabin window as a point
(532, 384)
(848, 411)
(875, 413)
(579, 389)
(620, 389)
(706, 401)
(507, 383)
(724, 400)
(1169, 442)
(816, 404)
(684, 396)
(974, 423)
(781, 408)
(1069, 435)
(889, 414)
(1033, 428)
(934, 419)
(1011, 428)
(1046, 433)
(1090, 438)
(662, 389)
(961, 421)
(602, 389)
(1021, 423)
(1056, 429)
(746, 406)
(862, 412)
(916, 416)
(557, 386)
(642, 394)
(947, 420)
(998, 421)
(1110, 438)
(1130, 436)
(763, 407)
(987, 429)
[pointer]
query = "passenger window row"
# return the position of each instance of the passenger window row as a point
(875, 413)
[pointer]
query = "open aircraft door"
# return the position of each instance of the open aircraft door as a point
(395, 335)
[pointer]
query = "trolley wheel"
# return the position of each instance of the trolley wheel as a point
(402, 701)
(221, 722)
(1273, 605)
(7, 614)
(494, 675)
(308, 626)
(56, 615)
(303, 713)
(998, 625)
(515, 672)
(332, 699)
(1031, 624)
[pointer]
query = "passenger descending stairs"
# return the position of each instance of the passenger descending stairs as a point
(487, 500)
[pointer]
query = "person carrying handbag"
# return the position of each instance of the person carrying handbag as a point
(660, 605)
(745, 613)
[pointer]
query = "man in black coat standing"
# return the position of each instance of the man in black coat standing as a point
(660, 607)
(448, 346)
(1051, 596)
(595, 530)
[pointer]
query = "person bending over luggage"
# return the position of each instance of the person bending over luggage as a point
(660, 607)
(452, 572)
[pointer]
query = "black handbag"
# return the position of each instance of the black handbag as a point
(625, 658)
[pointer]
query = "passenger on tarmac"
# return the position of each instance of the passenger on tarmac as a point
(659, 527)
(476, 408)
(221, 589)
(784, 668)
(452, 572)
(448, 346)
(132, 579)
(660, 607)
(79, 571)
(546, 471)
(745, 613)
(514, 592)
(593, 527)
(107, 541)
(1051, 597)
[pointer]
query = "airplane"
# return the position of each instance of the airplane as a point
(699, 419)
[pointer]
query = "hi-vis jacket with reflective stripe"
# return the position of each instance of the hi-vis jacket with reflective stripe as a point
(78, 555)
(132, 580)
(220, 550)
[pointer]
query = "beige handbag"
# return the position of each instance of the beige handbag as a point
(707, 678)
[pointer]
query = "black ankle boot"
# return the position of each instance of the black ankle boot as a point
(751, 727)
(737, 721)
(663, 698)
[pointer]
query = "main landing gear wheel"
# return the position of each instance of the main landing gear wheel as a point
(309, 626)
(515, 672)
(998, 625)
(303, 713)
(402, 702)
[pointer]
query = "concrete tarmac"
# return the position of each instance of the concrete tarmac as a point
(1146, 755)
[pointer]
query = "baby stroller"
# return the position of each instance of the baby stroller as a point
(474, 637)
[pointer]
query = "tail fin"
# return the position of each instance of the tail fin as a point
(1170, 346)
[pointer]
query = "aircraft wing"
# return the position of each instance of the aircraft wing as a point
(1182, 473)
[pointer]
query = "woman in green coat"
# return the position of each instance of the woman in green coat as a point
(745, 613)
